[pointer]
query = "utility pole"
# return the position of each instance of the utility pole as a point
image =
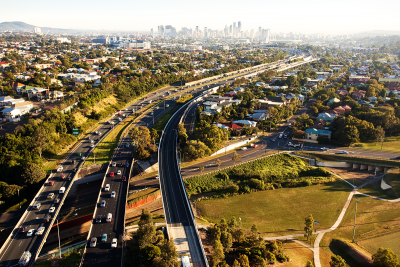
(355, 215)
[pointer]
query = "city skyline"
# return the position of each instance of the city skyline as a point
(309, 17)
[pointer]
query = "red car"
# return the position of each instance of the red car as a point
(62, 176)
(119, 153)
(51, 183)
(124, 179)
(112, 174)
(22, 229)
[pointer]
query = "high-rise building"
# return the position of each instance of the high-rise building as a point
(234, 29)
(151, 31)
(37, 30)
(161, 29)
(239, 26)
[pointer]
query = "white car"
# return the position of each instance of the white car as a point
(30, 232)
(324, 148)
(114, 243)
(343, 152)
(244, 148)
(114, 164)
(119, 172)
(52, 209)
(113, 194)
(40, 230)
(107, 187)
(92, 146)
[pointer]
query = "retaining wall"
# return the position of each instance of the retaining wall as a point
(71, 223)
(334, 164)
(142, 201)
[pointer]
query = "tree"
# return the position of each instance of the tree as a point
(235, 157)
(236, 264)
(41, 140)
(218, 162)
(337, 261)
(169, 253)
(385, 257)
(254, 229)
(309, 226)
(151, 251)
(349, 135)
(226, 240)
(32, 173)
(201, 168)
(218, 253)
(197, 149)
(244, 260)
(303, 121)
(154, 135)
(146, 232)
(380, 135)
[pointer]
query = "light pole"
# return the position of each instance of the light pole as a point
(355, 215)
(59, 242)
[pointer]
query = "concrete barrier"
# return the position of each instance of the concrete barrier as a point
(356, 166)
(363, 167)
(334, 164)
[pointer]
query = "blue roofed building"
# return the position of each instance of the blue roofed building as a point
(312, 133)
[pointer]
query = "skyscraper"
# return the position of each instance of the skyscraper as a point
(234, 29)
(239, 26)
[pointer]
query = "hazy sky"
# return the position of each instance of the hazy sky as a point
(307, 16)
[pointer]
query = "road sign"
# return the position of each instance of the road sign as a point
(183, 160)
(75, 131)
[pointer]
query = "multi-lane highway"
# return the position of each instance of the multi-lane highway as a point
(178, 213)
(110, 212)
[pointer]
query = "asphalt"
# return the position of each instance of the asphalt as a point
(103, 254)
(176, 205)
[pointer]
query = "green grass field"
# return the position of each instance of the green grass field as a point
(390, 143)
(384, 241)
(393, 179)
(162, 121)
(374, 218)
(281, 211)
(105, 149)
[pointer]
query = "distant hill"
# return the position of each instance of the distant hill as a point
(19, 26)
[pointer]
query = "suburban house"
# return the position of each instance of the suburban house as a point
(16, 108)
(4, 100)
(326, 117)
(36, 92)
(312, 134)
(333, 100)
(214, 104)
(230, 94)
(358, 79)
(234, 126)
(16, 86)
(259, 115)
(358, 95)
(246, 122)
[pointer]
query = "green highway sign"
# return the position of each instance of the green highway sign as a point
(75, 131)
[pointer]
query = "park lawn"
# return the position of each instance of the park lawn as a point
(297, 253)
(105, 149)
(281, 211)
(393, 179)
(374, 218)
(390, 143)
(385, 241)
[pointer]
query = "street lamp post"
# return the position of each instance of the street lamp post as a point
(355, 215)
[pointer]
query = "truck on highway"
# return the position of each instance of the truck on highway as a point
(295, 144)
(62, 190)
(25, 258)
(60, 169)
(253, 145)
(185, 261)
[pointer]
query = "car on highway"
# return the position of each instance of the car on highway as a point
(30, 232)
(109, 217)
(127, 165)
(50, 183)
(93, 242)
(127, 145)
(324, 148)
(75, 170)
(56, 201)
(157, 176)
(119, 172)
(46, 218)
(114, 164)
(22, 230)
(98, 220)
(280, 136)
(343, 152)
(104, 238)
(103, 203)
(50, 195)
(52, 209)
(37, 206)
(111, 174)
(107, 187)
(92, 146)
(244, 148)
(114, 243)
(123, 178)
(82, 158)
(273, 139)
(40, 230)
(119, 153)
(113, 194)
(62, 176)
(285, 136)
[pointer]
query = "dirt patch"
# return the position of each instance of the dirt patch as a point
(155, 207)
(354, 176)
(83, 172)
(207, 245)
